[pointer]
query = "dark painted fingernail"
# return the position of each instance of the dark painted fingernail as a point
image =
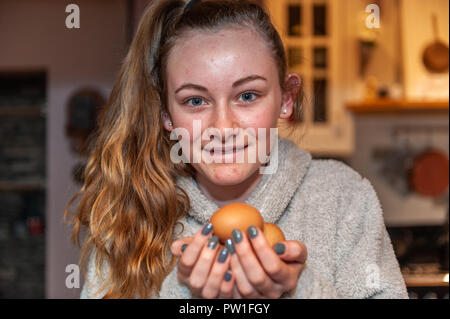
(237, 235)
(230, 246)
(227, 276)
(183, 247)
(207, 229)
(223, 255)
(252, 231)
(212, 243)
(279, 248)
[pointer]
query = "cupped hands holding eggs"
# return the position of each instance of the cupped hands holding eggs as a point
(247, 267)
(241, 216)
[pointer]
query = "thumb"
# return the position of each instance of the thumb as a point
(175, 248)
(291, 251)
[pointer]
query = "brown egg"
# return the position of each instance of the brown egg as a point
(235, 216)
(273, 234)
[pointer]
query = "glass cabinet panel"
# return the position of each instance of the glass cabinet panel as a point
(319, 20)
(320, 57)
(295, 56)
(294, 20)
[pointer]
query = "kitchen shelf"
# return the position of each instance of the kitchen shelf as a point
(426, 280)
(397, 106)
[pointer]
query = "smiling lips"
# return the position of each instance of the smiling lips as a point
(225, 150)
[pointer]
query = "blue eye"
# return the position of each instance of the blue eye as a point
(247, 95)
(195, 101)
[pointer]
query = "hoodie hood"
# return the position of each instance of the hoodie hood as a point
(271, 195)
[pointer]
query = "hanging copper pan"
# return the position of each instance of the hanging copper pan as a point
(428, 174)
(436, 55)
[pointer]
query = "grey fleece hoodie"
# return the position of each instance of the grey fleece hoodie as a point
(326, 205)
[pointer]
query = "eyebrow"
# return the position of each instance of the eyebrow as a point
(235, 84)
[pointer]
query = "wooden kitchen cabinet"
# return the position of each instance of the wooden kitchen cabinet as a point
(312, 32)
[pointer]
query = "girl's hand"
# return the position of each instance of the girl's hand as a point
(261, 271)
(202, 266)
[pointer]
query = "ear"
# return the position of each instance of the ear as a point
(291, 88)
(168, 125)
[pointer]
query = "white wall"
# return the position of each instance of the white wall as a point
(33, 35)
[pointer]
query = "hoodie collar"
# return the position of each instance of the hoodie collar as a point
(272, 194)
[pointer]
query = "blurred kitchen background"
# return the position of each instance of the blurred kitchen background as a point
(378, 100)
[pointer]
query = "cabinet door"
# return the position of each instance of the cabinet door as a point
(312, 33)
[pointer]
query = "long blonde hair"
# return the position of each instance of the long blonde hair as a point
(130, 204)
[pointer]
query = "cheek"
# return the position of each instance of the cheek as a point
(186, 121)
(262, 119)
(265, 115)
(266, 119)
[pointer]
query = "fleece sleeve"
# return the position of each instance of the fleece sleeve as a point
(365, 263)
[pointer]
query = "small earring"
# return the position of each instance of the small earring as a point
(284, 111)
(170, 124)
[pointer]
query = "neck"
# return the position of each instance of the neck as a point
(223, 195)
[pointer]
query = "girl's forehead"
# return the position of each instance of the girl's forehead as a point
(232, 31)
(227, 39)
(225, 52)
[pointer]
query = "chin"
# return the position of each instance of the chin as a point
(229, 174)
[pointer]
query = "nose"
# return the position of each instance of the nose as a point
(225, 122)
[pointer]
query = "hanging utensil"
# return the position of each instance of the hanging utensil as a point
(436, 55)
(428, 174)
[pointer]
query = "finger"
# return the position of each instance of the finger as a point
(292, 251)
(244, 289)
(216, 276)
(178, 246)
(294, 254)
(236, 294)
(250, 264)
(227, 286)
(192, 251)
(202, 268)
(277, 270)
